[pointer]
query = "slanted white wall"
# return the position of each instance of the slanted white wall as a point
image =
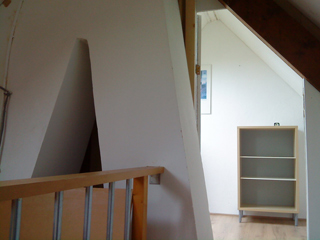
(143, 104)
(245, 92)
(261, 50)
(7, 22)
(68, 133)
(188, 126)
(7, 17)
(312, 108)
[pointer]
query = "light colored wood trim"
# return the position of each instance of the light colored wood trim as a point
(252, 216)
(261, 208)
(140, 206)
(36, 186)
(269, 179)
(281, 209)
(265, 157)
(239, 167)
(296, 152)
(268, 127)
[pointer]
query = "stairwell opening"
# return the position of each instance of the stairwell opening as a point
(71, 144)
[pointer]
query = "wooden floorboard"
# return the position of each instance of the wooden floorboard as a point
(227, 227)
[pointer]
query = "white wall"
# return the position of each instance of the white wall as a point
(7, 17)
(312, 108)
(261, 50)
(143, 106)
(245, 92)
(7, 23)
(187, 121)
(68, 133)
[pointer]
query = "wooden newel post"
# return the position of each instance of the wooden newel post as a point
(140, 205)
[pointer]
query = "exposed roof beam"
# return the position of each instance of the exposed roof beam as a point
(208, 5)
(283, 34)
(299, 17)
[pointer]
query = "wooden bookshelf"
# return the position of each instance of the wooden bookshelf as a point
(268, 170)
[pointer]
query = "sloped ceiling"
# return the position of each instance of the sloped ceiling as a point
(310, 8)
(207, 17)
(256, 45)
(290, 39)
(293, 34)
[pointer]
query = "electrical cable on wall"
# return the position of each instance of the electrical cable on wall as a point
(7, 93)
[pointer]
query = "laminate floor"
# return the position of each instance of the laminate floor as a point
(227, 227)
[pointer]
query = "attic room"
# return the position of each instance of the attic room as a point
(141, 94)
(250, 86)
(237, 101)
(142, 100)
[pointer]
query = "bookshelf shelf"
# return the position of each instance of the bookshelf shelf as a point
(268, 170)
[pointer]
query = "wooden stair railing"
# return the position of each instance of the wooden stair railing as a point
(16, 190)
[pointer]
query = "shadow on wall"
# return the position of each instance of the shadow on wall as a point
(176, 190)
(71, 124)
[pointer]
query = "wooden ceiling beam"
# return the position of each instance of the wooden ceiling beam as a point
(188, 18)
(282, 33)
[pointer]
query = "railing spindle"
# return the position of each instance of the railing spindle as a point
(15, 219)
(135, 219)
(87, 213)
(110, 211)
(127, 210)
(57, 215)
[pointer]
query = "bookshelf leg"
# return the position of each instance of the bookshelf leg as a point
(240, 215)
(295, 219)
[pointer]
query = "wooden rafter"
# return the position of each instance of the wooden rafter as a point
(282, 33)
(188, 17)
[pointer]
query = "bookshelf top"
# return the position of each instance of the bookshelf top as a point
(268, 127)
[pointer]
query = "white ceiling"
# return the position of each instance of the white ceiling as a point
(309, 8)
(256, 45)
(207, 17)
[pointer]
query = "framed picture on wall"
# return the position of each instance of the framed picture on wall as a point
(205, 94)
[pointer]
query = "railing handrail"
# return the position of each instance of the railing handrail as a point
(14, 189)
